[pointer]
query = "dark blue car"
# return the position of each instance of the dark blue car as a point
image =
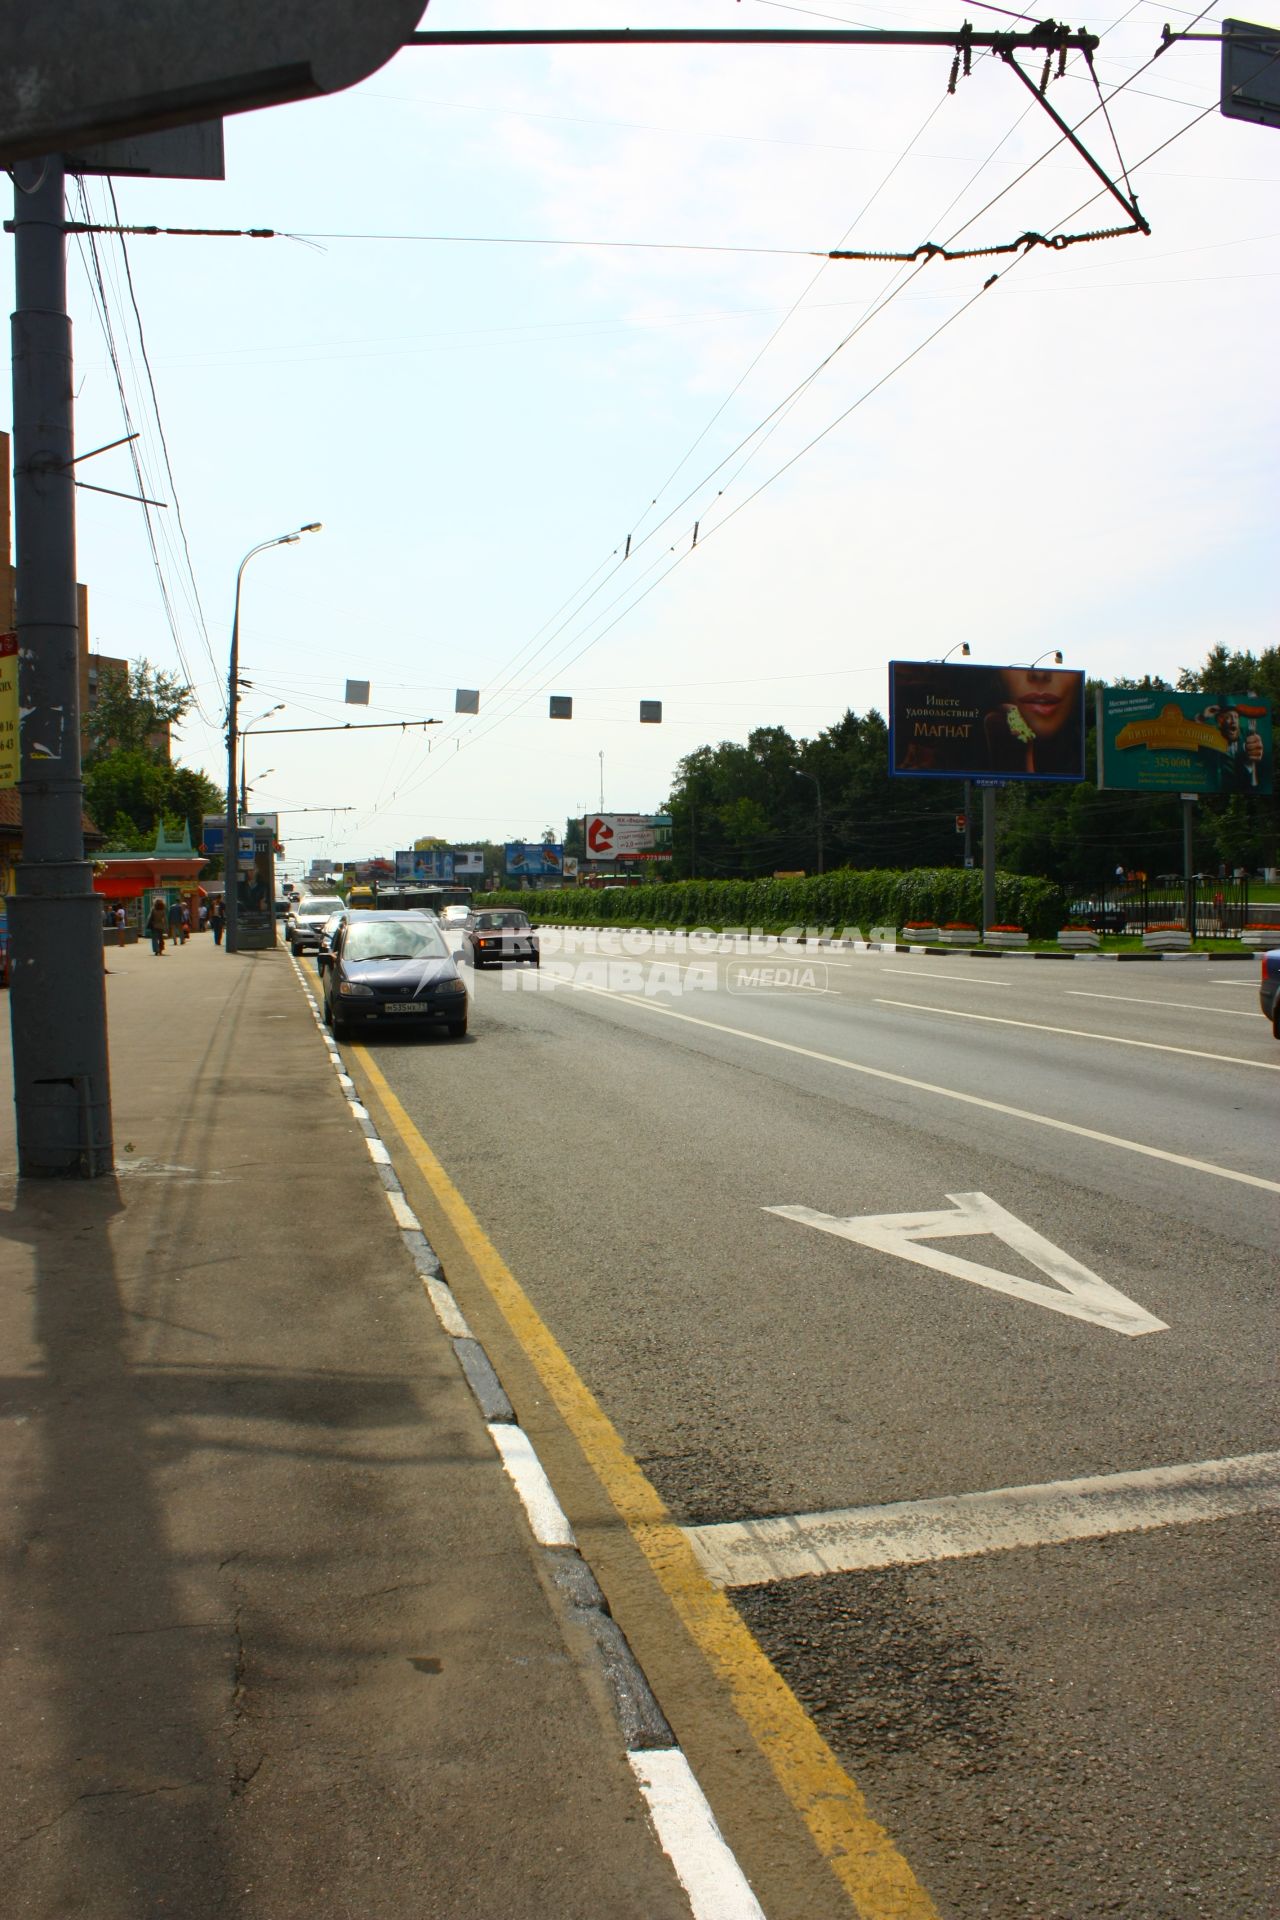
(1269, 989)
(393, 970)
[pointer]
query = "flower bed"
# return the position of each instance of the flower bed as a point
(1166, 936)
(959, 933)
(1261, 936)
(1079, 939)
(1005, 936)
(916, 930)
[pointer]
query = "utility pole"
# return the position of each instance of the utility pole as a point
(988, 855)
(61, 1083)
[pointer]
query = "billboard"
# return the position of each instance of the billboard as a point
(535, 861)
(425, 863)
(1151, 741)
(951, 721)
(627, 836)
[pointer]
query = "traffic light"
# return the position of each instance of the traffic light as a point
(960, 823)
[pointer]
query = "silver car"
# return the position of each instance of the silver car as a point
(306, 923)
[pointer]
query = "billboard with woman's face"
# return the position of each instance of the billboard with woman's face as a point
(948, 721)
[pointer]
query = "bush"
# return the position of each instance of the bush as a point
(846, 898)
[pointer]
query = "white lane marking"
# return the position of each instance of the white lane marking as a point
(448, 1312)
(377, 1152)
(1081, 1033)
(911, 1532)
(686, 1827)
(1185, 1006)
(405, 1216)
(952, 1093)
(1224, 982)
(546, 1516)
(1078, 1292)
(932, 973)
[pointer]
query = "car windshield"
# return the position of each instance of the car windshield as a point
(318, 909)
(395, 940)
(493, 922)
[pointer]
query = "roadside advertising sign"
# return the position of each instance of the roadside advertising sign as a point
(534, 860)
(1150, 741)
(622, 836)
(8, 710)
(425, 863)
(952, 721)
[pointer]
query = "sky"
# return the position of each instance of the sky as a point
(881, 460)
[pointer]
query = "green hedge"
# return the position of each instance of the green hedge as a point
(842, 899)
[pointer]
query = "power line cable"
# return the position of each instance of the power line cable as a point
(168, 464)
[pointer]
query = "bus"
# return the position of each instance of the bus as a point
(412, 896)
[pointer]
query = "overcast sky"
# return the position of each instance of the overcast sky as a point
(1082, 456)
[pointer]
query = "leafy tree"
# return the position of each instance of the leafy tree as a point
(135, 708)
(130, 783)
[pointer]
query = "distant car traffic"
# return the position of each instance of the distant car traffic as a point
(305, 923)
(1269, 989)
(455, 916)
(393, 970)
(495, 935)
(328, 932)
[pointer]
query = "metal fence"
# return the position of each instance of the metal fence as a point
(1209, 907)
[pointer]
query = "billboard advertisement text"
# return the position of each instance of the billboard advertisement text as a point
(1151, 741)
(948, 721)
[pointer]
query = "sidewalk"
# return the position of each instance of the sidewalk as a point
(276, 1642)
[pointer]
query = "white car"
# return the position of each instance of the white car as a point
(453, 916)
(306, 923)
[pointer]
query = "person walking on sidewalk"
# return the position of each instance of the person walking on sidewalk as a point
(175, 922)
(157, 924)
(217, 920)
(186, 923)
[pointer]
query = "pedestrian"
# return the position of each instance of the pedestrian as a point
(186, 922)
(217, 920)
(203, 916)
(175, 921)
(157, 924)
(121, 917)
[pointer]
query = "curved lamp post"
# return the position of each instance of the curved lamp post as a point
(231, 836)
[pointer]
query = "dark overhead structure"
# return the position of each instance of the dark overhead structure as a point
(81, 72)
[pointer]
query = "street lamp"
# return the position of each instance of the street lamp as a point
(231, 836)
(244, 733)
(1052, 654)
(801, 774)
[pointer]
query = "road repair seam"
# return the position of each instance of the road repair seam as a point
(715, 1884)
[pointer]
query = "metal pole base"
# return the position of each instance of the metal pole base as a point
(61, 1083)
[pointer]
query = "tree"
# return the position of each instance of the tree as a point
(130, 783)
(135, 709)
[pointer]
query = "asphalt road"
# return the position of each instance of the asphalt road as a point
(1066, 1727)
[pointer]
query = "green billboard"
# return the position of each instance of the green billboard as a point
(1152, 741)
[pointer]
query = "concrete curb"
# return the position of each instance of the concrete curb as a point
(932, 950)
(682, 1818)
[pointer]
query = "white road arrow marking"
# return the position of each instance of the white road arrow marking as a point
(1076, 1291)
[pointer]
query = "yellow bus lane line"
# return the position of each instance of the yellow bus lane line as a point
(879, 1883)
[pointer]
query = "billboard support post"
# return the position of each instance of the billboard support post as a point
(968, 823)
(988, 857)
(1188, 863)
(61, 1082)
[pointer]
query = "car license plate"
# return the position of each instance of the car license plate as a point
(405, 1006)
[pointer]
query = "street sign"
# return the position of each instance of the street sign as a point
(83, 71)
(1251, 73)
(1075, 1291)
